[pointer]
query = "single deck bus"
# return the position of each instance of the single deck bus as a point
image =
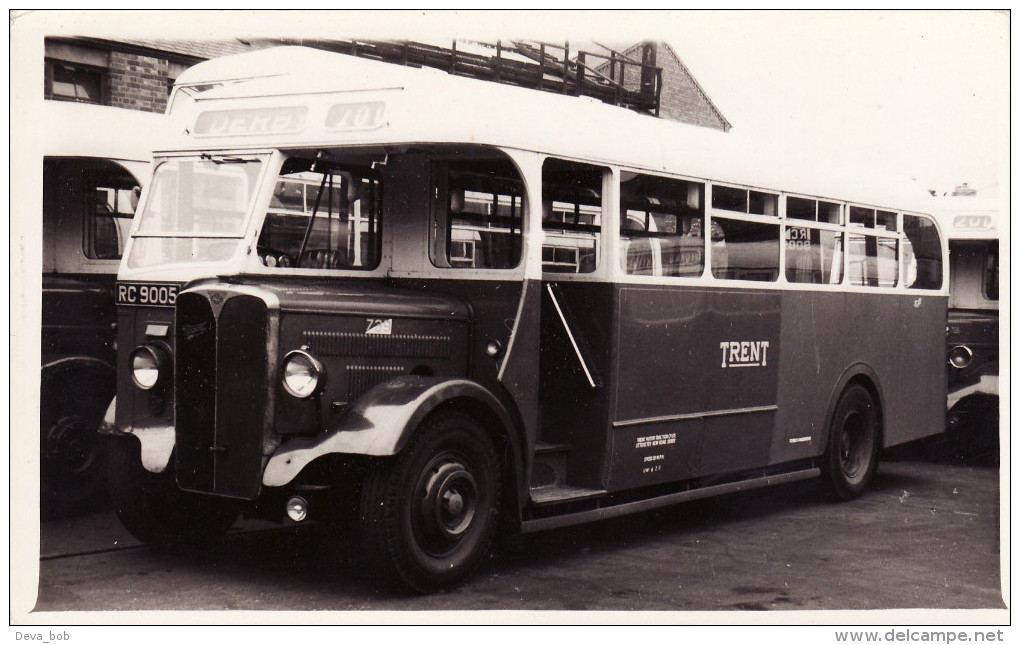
(432, 308)
(93, 162)
(971, 224)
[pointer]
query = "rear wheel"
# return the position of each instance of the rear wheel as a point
(153, 509)
(428, 515)
(852, 455)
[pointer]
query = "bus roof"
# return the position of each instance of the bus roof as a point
(966, 217)
(401, 105)
(82, 130)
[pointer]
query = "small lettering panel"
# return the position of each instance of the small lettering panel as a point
(158, 294)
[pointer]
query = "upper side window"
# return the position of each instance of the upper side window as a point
(922, 253)
(110, 205)
(814, 250)
(327, 218)
(571, 216)
(662, 223)
(74, 82)
(479, 211)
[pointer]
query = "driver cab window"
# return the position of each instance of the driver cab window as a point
(323, 218)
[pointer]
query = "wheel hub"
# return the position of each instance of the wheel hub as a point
(449, 497)
(70, 445)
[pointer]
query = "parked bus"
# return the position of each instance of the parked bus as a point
(94, 160)
(638, 321)
(971, 224)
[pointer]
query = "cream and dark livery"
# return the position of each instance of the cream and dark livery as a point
(90, 178)
(971, 224)
(432, 308)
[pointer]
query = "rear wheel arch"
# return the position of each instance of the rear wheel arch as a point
(862, 375)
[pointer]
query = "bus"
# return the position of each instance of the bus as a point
(432, 309)
(971, 224)
(94, 160)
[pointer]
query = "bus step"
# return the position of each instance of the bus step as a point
(544, 495)
(550, 467)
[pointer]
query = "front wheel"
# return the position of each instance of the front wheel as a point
(429, 515)
(851, 458)
(154, 510)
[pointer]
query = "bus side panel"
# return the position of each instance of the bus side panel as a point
(695, 383)
(916, 401)
(824, 336)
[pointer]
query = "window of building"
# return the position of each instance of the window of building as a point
(662, 225)
(571, 216)
(479, 212)
(74, 82)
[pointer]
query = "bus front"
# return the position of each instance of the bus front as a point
(275, 344)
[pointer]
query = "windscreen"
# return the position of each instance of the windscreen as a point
(195, 211)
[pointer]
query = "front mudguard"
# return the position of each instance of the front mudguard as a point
(155, 444)
(381, 422)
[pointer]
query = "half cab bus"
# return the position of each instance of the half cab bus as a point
(94, 160)
(431, 308)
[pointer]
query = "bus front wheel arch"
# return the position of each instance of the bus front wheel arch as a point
(854, 444)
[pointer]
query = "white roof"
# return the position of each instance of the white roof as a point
(430, 106)
(81, 130)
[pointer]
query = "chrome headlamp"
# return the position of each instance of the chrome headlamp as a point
(960, 356)
(150, 366)
(302, 374)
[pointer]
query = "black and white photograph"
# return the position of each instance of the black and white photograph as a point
(536, 317)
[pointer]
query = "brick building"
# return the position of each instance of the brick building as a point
(138, 74)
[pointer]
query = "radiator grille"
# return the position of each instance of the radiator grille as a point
(221, 394)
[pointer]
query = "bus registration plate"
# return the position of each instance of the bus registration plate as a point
(144, 293)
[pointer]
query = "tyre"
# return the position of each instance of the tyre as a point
(851, 458)
(154, 510)
(72, 460)
(429, 514)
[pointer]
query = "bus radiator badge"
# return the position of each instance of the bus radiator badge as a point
(379, 327)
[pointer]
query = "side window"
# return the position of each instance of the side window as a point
(571, 216)
(479, 210)
(922, 253)
(111, 202)
(871, 255)
(662, 223)
(323, 219)
(745, 242)
(991, 278)
(814, 243)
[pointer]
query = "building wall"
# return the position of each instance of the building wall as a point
(137, 82)
(682, 98)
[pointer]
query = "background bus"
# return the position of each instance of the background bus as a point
(94, 160)
(971, 223)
